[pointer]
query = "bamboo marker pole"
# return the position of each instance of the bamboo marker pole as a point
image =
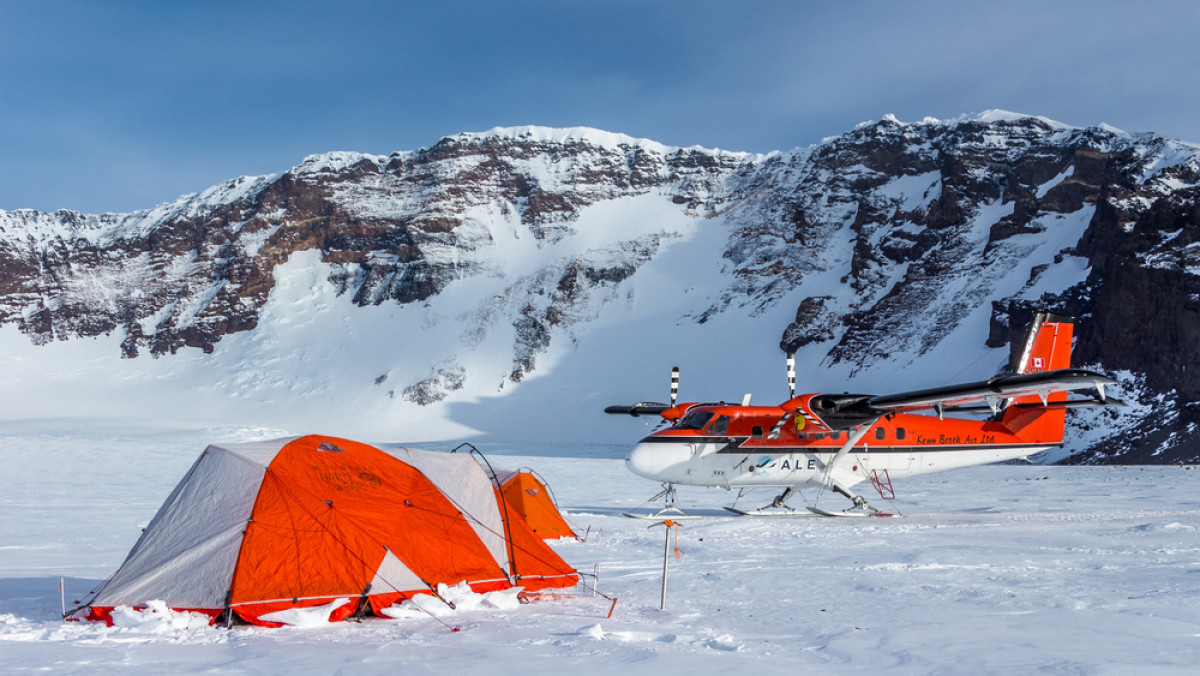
(662, 605)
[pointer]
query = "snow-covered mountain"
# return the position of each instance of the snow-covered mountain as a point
(514, 282)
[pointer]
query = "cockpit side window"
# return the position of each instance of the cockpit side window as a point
(696, 420)
(720, 426)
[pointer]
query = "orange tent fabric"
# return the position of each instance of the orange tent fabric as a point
(258, 528)
(526, 493)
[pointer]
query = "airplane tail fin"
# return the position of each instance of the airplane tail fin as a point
(1047, 344)
(1047, 348)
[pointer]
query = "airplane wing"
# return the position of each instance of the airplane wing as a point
(994, 390)
(851, 410)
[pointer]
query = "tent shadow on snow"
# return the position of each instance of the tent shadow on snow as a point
(258, 528)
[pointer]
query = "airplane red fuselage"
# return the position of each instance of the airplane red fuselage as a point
(838, 440)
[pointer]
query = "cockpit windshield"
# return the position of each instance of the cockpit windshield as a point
(720, 426)
(696, 420)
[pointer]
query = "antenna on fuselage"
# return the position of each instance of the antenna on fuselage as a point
(791, 371)
(674, 384)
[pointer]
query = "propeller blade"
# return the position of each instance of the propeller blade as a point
(791, 373)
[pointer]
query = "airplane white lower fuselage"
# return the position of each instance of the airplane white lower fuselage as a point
(730, 463)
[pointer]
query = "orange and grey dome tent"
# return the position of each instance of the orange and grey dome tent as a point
(262, 527)
(529, 495)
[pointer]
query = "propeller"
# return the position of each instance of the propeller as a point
(649, 407)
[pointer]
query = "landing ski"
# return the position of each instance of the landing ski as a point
(768, 511)
(850, 513)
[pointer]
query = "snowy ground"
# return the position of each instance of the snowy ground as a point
(1004, 569)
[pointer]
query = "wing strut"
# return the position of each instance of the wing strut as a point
(860, 508)
(855, 437)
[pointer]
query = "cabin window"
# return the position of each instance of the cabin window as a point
(835, 435)
(899, 432)
(696, 420)
(819, 435)
(757, 432)
(721, 426)
(879, 432)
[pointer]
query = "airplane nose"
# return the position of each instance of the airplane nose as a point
(653, 461)
(641, 461)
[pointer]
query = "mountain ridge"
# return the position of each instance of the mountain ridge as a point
(884, 245)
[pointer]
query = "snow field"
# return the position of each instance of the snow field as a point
(1002, 569)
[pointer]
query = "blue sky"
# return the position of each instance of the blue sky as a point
(116, 106)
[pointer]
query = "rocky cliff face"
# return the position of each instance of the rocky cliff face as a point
(943, 219)
(892, 236)
(396, 228)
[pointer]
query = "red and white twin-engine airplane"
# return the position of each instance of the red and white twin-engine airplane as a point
(835, 441)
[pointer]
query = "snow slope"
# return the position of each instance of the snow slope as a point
(512, 283)
(317, 358)
(992, 570)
